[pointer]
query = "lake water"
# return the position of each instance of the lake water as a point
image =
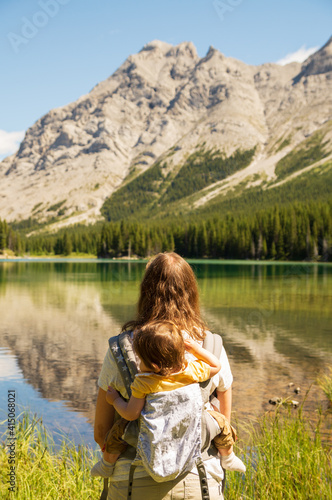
(56, 318)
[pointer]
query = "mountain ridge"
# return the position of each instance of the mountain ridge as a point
(159, 106)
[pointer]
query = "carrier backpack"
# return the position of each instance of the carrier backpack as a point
(122, 351)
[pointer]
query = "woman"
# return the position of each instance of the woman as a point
(168, 292)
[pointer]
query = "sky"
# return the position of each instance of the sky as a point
(54, 51)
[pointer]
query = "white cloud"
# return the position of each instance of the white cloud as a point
(299, 56)
(9, 142)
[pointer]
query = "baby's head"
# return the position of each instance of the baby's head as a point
(160, 346)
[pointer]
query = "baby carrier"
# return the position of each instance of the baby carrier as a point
(174, 434)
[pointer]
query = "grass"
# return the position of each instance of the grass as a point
(9, 254)
(6, 253)
(72, 255)
(325, 383)
(44, 471)
(284, 455)
(285, 460)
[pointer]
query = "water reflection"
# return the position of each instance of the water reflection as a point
(56, 318)
(276, 325)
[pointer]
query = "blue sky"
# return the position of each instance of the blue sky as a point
(53, 51)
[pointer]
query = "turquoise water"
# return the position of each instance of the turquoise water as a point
(56, 317)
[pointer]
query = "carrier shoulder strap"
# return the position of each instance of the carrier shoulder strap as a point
(123, 354)
(212, 343)
(122, 351)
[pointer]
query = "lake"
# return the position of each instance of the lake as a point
(56, 317)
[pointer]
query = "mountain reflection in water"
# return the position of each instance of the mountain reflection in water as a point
(275, 321)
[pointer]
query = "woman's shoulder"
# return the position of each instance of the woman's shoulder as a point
(201, 336)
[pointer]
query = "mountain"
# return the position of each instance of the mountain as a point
(169, 128)
(319, 63)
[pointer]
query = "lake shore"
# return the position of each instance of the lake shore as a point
(283, 456)
(11, 257)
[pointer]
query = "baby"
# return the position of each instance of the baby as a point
(160, 349)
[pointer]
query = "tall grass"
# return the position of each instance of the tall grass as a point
(285, 460)
(325, 383)
(44, 471)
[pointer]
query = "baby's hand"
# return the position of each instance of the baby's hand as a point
(190, 345)
(111, 395)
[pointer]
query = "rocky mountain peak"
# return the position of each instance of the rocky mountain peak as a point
(318, 63)
(156, 45)
(211, 51)
(186, 49)
(156, 48)
(328, 45)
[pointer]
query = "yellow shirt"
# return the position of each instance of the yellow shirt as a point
(146, 383)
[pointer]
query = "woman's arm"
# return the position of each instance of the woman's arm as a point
(204, 355)
(130, 410)
(104, 418)
(225, 402)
